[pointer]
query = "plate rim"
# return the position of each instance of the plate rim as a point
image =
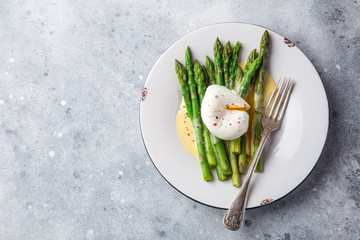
(326, 98)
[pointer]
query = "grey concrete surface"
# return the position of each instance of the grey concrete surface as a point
(72, 162)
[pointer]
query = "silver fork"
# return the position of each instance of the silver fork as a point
(271, 120)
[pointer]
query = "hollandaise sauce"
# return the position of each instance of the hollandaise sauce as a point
(186, 131)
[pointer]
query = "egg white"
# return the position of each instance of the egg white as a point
(224, 123)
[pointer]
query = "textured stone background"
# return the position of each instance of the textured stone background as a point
(72, 161)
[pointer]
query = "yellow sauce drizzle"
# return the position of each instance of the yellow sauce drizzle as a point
(185, 130)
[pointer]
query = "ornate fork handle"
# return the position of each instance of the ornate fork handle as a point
(234, 216)
(271, 120)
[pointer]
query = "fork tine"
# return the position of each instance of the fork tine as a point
(272, 95)
(280, 90)
(282, 98)
(283, 109)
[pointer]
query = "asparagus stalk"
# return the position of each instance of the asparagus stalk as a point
(221, 155)
(232, 146)
(226, 60)
(242, 156)
(239, 74)
(210, 69)
(206, 77)
(181, 73)
(219, 76)
(219, 79)
(235, 145)
(234, 64)
(250, 59)
(218, 144)
(221, 176)
(196, 121)
(208, 82)
(201, 86)
(235, 75)
(258, 96)
(244, 86)
(235, 176)
(244, 89)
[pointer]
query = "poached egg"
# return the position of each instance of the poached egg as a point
(223, 112)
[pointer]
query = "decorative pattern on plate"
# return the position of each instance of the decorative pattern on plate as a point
(144, 94)
(288, 42)
(266, 201)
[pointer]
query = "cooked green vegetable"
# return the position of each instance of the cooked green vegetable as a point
(242, 156)
(182, 76)
(219, 74)
(234, 64)
(218, 144)
(201, 86)
(196, 121)
(258, 96)
(226, 60)
(235, 176)
(250, 59)
(244, 86)
(244, 89)
(210, 69)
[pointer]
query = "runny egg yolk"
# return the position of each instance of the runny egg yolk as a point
(236, 108)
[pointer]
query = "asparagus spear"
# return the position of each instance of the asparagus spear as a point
(218, 144)
(218, 63)
(221, 155)
(244, 89)
(235, 145)
(210, 71)
(250, 59)
(221, 176)
(242, 156)
(226, 59)
(201, 86)
(208, 137)
(244, 86)
(199, 78)
(181, 73)
(206, 77)
(234, 64)
(239, 74)
(235, 176)
(196, 121)
(258, 96)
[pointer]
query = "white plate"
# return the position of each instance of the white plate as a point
(292, 151)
